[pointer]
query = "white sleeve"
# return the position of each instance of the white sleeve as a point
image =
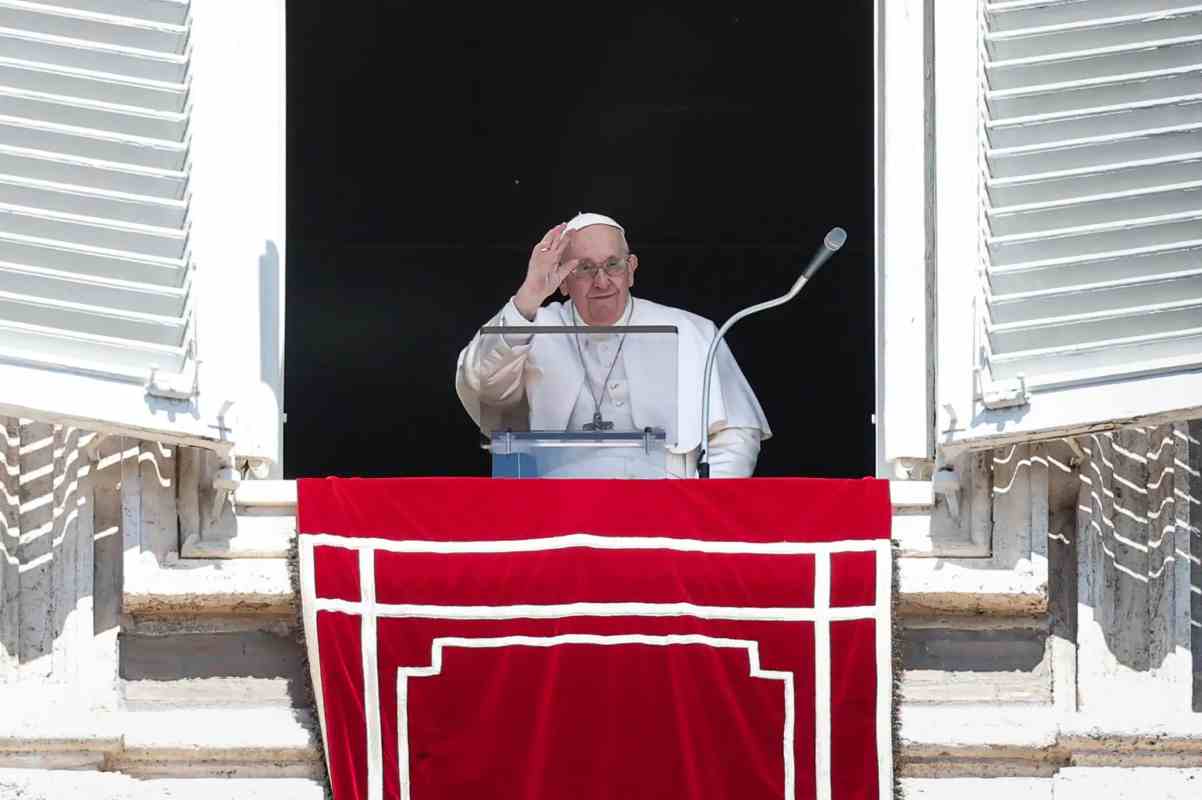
(733, 452)
(491, 367)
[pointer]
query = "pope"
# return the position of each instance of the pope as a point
(605, 380)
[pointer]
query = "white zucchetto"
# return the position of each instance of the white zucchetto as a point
(584, 219)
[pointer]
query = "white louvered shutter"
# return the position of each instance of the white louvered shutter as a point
(97, 289)
(1089, 307)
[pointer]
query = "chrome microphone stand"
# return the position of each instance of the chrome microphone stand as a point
(834, 239)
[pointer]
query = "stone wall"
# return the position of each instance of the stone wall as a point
(46, 552)
(1136, 560)
(75, 507)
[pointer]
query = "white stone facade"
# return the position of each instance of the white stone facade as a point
(1038, 398)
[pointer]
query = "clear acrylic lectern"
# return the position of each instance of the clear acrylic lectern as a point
(602, 405)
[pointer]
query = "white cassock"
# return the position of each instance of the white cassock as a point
(538, 383)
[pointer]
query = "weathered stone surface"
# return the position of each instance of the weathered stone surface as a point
(959, 586)
(965, 660)
(1133, 592)
(46, 555)
(198, 586)
(179, 742)
(1090, 783)
(225, 668)
(1117, 783)
(239, 743)
(977, 788)
(978, 740)
(213, 678)
(37, 784)
(10, 536)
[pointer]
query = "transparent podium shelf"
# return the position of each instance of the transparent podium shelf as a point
(571, 454)
(600, 402)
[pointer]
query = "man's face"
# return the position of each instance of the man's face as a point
(601, 298)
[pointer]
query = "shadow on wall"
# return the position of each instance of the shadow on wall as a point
(271, 367)
(1133, 527)
(72, 503)
(1122, 511)
(271, 332)
(258, 666)
(1122, 555)
(46, 542)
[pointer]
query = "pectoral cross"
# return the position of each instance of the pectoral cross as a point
(598, 424)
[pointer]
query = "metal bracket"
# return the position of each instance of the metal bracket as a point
(946, 482)
(912, 469)
(225, 483)
(175, 385)
(1005, 394)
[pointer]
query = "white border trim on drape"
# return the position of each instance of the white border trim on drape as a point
(308, 590)
(822, 614)
(371, 678)
(439, 644)
(822, 676)
(595, 542)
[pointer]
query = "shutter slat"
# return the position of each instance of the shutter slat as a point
(1147, 89)
(1095, 66)
(171, 11)
(1130, 356)
(100, 145)
(85, 85)
(93, 174)
(94, 115)
(1144, 175)
(1132, 266)
(1095, 153)
(96, 320)
(93, 232)
(1061, 131)
(110, 29)
(93, 56)
(54, 346)
(1067, 214)
(119, 265)
(1035, 14)
(63, 256)
(1068, 330)
(48, 284)
(1092, 35)
(1028, 307)
(1093, 186)
(1164, 233)
(87, 202)
(60, 110)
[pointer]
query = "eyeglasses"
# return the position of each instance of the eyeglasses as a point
(613, 268)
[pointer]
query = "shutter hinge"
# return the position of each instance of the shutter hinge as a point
(225, 483)
(182, 385)
(1005, 394)
(945, 483)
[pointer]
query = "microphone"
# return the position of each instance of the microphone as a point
(834, 239)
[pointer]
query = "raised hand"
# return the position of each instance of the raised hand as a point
(545, 271)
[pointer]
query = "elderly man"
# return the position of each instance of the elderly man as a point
(501, 379)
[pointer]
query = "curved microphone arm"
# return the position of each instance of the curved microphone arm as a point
(830, 244)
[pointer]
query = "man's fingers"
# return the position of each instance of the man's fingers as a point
(563, 236)
(562, 242)
(565, 269)
(544, 244)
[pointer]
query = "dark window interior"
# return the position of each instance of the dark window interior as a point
(431, 144)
